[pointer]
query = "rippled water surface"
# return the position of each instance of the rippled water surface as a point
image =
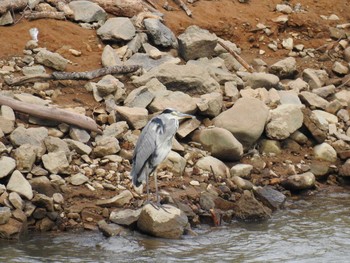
(315, 229)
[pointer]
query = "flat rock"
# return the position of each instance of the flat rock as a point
(270, 197)
(125, 217)
(20, 185)
(187, 127)
(78, 147)
(51, 60)
(165, 222)
(117, 28)
(33, 136)
(86, 11)
(313, 100)
(117, 201)
(78, 179)
(106, 145)
(137, 118)
(109, 230)
(139, 97)
(173, 99)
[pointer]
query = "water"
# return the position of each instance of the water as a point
(315, 229)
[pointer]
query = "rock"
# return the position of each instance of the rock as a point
(7, 119)
(312, 123)
(286, 9)
(137, 118)
(325, 91)
(173, 99)
(211, 104)
(343, 96)
(284, 120)
(51, 60)
(46, 224)
(5, 214)
(116, 129)
(288, 43)
(12, 229)
(242, 170)
(211, 164)
(220, 142)
(106, 146)
(249, 209)
(270, 146)
(78, 179)
(319, 168)
(20, 185)
(109, 230)
(242, 183)
(125, 217)
(196, 43)
(43, 201)
(175, 163)
(340, 69)
(16, 200)
(193, 79)
(325, 152)
(169, 222)
(270, 197)
(347, 54)
(86, 11)
(187, 127)
(117, 201)
(286, 68)
(140, 97)
(152, 51)
(299, 181)
(43, 185)
(78, 147)
(261, 80)
(33, 70)
(79, 135)
(117, 28)
(159, 33)
(207, 201)
(315, 78)
(25, 157)
(29, 98)
(54, 144)
(7, 165)
(330, 118)
(246, 120)
(33, 136)
(147, 63)
(110, 85)
(109, 57)
(344, 170)
(56, 162)
(6, 19)
(231, 90)
(313, 100)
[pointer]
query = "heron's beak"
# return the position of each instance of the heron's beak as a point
(182, 116)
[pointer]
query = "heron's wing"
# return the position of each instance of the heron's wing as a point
(146, 146)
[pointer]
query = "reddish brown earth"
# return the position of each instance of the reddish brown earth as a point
(229, 19)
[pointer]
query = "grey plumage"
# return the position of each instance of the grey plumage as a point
(154, 144)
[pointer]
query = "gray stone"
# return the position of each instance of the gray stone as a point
(248, 208)
(174, 163)
(242, 183)
(117, 201)
(137, 118)
(20, 185)
(29, 98)
(149, 63)
(270, 146)
(78, 179)
(117, 28)
(325, 152)
(116, 129)
(220, 142)
(298, 85)
(5, 214)
(7, 119)
(56, 162)
(79, 135)
(340, 69)
(16, 200)
(289, 97)
(7, 165)
(106, 146)
(110, 85)
(159, 33)
(344, 170)
(299, 181)
(54, 144)
(347, 54)
(211, 104)
(312, 123)
(51, 60)
(343, 96)
(43, 201)
(6, 19)
(109, 57)
(245, 120)
(189, 78)
(33, 136)
(25, 156)
(270, 197)
(284, 120)
(109, 230)
(33, 70)
(78, 147)
(313, 100)
(211, 164)
(125, 217)
(173, 99)
(315, 78)
(242, 170)
(261, 80)
(286, 68)
(325, 91)
(196, 43)
(43, 185)
(169, 222)
(86, 11)
(187, 127)
(12, 229)
(139, 97)
(329, 117)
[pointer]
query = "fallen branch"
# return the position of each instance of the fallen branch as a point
(40, 15)
(6, 5)
(237, 57)
(62, 5)
(87, 75)
(184, 7)
(55, 114)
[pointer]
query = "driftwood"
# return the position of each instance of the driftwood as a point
(184, 7)
(87, 75)
(13, 5)
(39, 15)
(49, 113)
(236, 56)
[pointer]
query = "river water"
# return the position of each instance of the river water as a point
(314, 229)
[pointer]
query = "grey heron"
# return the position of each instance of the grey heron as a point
(153, 146)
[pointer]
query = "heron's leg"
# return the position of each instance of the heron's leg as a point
(156, 186)
(147, 187)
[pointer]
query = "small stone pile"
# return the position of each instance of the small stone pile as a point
(253, 117)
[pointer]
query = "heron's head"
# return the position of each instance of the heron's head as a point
(175, 114)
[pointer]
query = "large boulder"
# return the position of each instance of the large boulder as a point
(166, 221)
(188, 78)
(299, 181)
(246, 120)
(220, 142)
